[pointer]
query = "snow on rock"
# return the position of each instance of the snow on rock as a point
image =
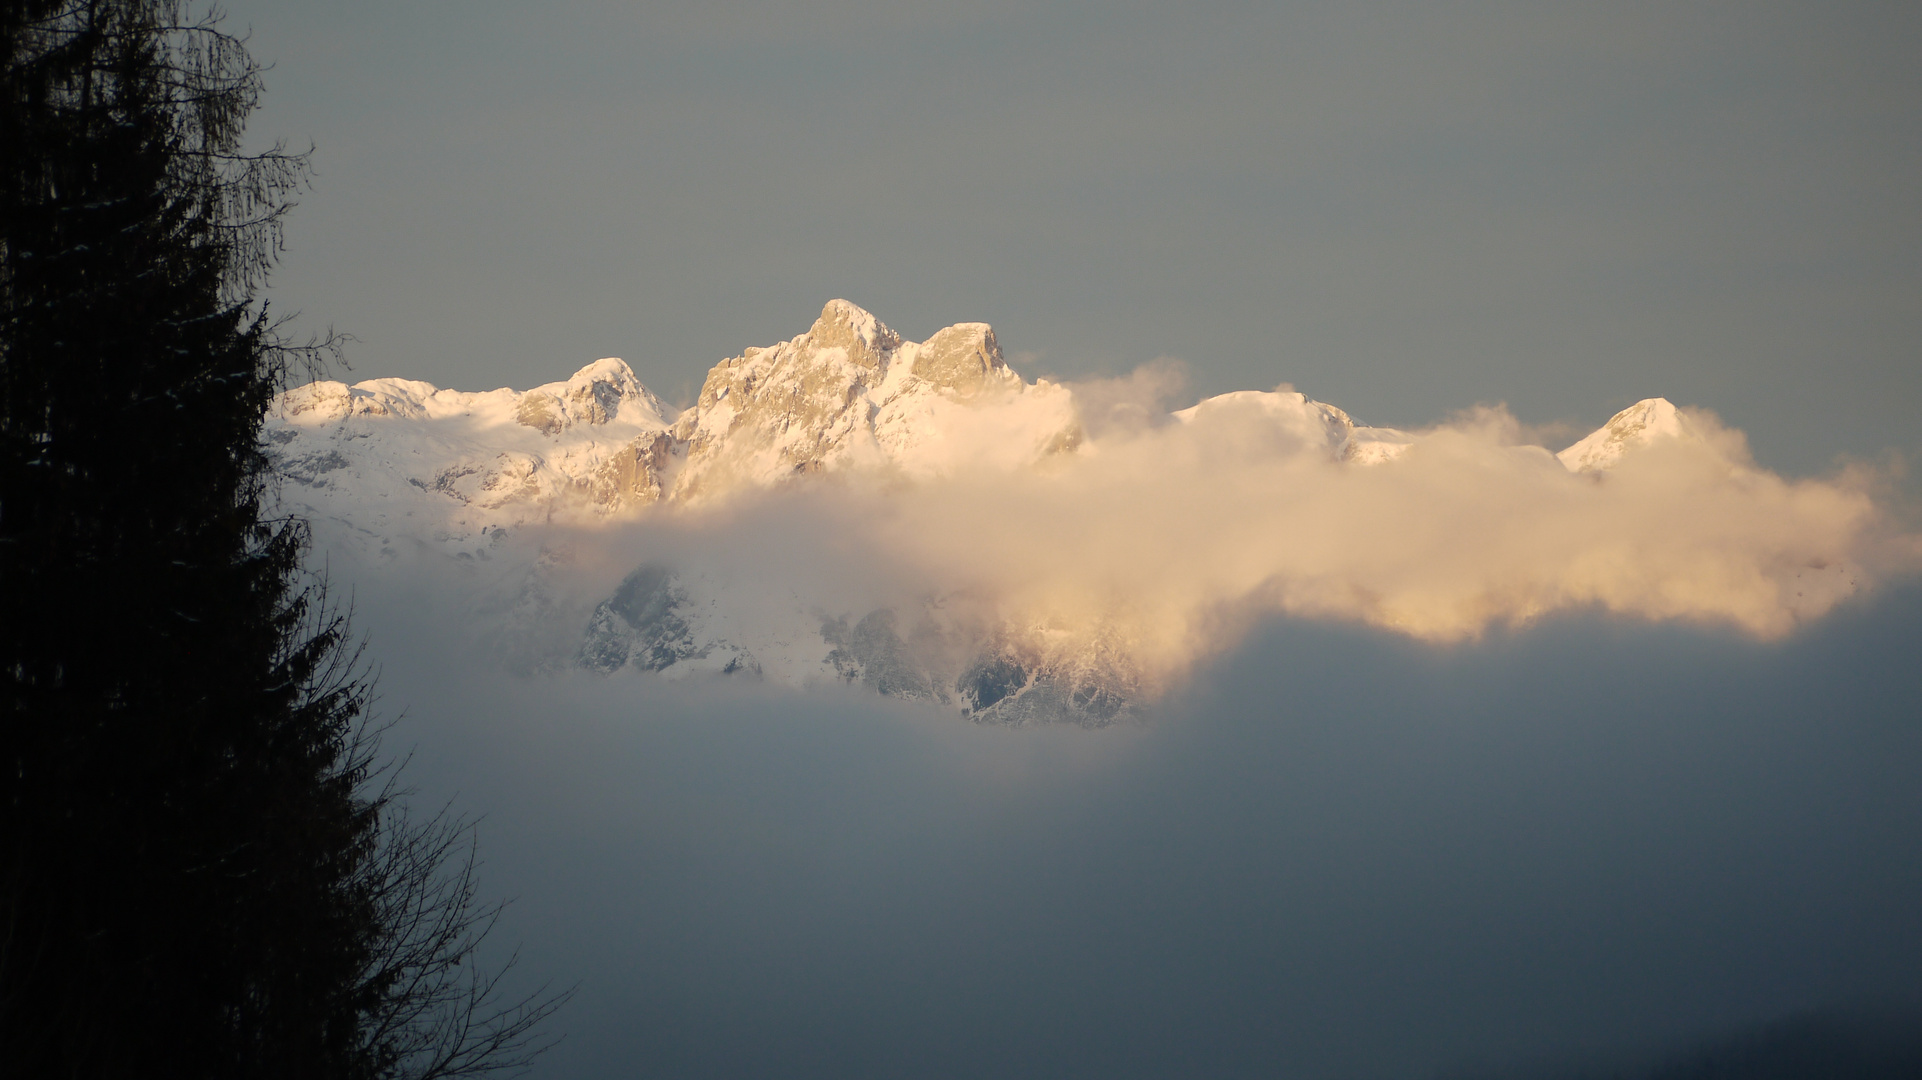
(391, 466)
(850, 393)
(1647, 421)
(1306, 423)
(390, 462)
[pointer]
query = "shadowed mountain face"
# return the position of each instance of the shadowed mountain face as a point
(944, 652)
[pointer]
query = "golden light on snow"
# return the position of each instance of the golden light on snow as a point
(848, 499)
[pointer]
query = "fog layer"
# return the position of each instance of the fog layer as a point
(1339, 852)
(1157, 539)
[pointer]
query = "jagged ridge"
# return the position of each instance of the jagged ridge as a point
(388, 464)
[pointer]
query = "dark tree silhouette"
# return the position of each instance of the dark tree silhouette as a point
(195, 879)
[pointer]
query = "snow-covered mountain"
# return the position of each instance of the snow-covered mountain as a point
(391, 469)
(1642, 424)
(391, 461)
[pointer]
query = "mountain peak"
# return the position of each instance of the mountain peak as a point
(592, 395)
(843, 325)
(963, 359)
(608, 369)
(1644, 422)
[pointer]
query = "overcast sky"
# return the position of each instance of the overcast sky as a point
(1403, 209)
(1337, 852)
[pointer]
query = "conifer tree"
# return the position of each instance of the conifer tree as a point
(193, 880)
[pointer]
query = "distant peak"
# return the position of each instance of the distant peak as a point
(1645, 413)
(591, 395)
(846, 310)
(610, 369)
(1646, 421)
(847, 326)
(964, 358)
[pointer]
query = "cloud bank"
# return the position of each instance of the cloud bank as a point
(1158, 541)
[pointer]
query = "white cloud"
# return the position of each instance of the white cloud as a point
(1156, 543)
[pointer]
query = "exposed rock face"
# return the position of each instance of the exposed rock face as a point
(963, 361)
(873, 653)
(660, 621)
(635, 475)
(798, 407)
(542, 413)
(850, 393)
(649, 624)
(593, 396)
(1016, 681)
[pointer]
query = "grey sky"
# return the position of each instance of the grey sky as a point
(1403, 209)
